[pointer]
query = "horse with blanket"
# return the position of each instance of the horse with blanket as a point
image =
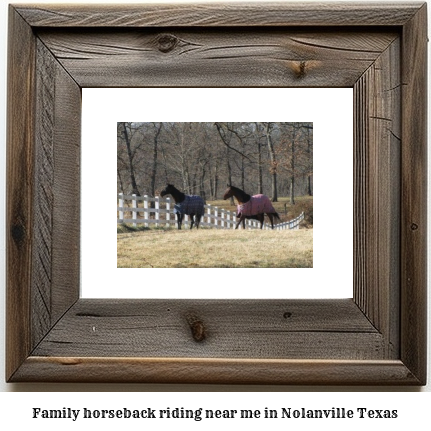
(251, 207)
(191, 205)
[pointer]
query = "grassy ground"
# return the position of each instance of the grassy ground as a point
(212, 248)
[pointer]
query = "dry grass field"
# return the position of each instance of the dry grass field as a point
(212, 248)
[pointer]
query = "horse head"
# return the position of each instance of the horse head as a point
(228, 193)
(167, 190)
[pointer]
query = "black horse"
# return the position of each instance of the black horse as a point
(251, 207)
(185, 204)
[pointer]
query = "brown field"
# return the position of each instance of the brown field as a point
(212, 248)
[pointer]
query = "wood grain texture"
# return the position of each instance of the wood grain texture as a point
(44, 196)
(67, 198)
(55, 279)
(215, 371)
(20, 194)
(54, 336)
(210, 57)
(377, 181)
(219, 15)
(414, 195)
(234, 329)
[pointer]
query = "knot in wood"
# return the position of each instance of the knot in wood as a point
(197, 328)
(414, 226)
(18, 233)
(300, 69)
(166, 42)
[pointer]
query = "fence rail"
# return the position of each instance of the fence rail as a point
(159, 212)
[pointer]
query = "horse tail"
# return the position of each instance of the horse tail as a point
(273, 213)
(202, 207)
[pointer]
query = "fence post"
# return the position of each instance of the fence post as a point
(222, 218)
(168, 212)
(146, 212)
(134, 210)
(209, 214)
(215, 216)
(121, 205)
(157, 208)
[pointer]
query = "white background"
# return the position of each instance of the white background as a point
(15, 408)
(330, 110)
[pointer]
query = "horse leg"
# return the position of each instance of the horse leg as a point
(241, 219)
(192, 221)
(198, 219)
(271, 218)
(261, 219)
(179, 220)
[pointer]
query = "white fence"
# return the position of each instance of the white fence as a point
(161, 214)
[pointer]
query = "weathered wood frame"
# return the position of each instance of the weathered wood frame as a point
(378, 337)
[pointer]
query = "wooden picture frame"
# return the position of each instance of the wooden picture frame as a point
(378, 337)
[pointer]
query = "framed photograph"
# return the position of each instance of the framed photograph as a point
(376, 337)
(147, 237)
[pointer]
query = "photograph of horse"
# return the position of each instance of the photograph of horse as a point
(251, 207)
(173, 208)
(191, 205)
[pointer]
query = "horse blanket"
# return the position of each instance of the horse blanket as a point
(190, 205)
(258, 204)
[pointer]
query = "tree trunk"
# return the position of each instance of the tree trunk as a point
(135, 190)
(121, 181)
(165, 164)
(310, 158)
(186, 180)
(292, 169)
(274, 196)
(229, 174)
(154, 165)
(202, 183)
(215, 183)
(309, 188)
(292, 190)
(242, 174)
(259, 162)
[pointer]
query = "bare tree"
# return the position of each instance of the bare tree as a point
(157, 130)
(258, 138)
(296, 155)
(226, 137)
(124, 129)
(273, 165)
(271, 158)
